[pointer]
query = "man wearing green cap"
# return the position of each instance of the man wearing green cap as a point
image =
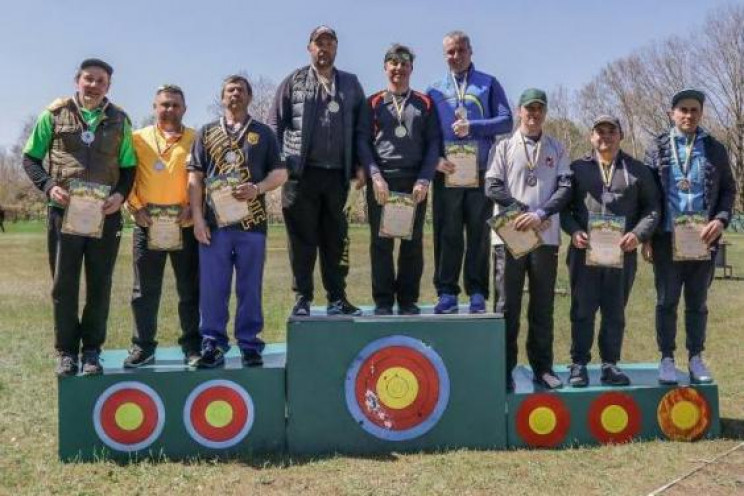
(531, 170)
(694, 176)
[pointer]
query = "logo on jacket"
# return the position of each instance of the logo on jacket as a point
(252, 138)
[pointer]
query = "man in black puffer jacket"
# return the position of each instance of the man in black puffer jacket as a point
(320, 116)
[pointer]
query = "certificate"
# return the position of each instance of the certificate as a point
(688, 245)
(605, 233)
(84, 214)
(398, 216)
(519, 243)
(227, 209)
(464, 154)
(164, 233)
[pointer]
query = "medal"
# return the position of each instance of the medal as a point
(159, 166)
(400, 131)
(532, 160)
(683, 184)
(231, 157)
(333, 106)
(461, 113)
(87, 136)
(531, 179)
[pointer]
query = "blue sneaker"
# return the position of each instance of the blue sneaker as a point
(477, 303)
(447, 304)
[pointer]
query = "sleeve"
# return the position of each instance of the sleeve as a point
(496, 175)
(433, 145)
(41, 136)
(569, 224)
(363, 131)
(127, 157)
(727, 193)
(562, 194)
(197, 160)
(273, 157)
(501, 122)
(126, 181)
(34, 169)
(281, 110)
(648, 198)
(134, 202)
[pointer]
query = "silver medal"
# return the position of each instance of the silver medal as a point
(231, 157)
(159, 166)
(531, 179)
(88, 137)
(401, 131)
(333, 106)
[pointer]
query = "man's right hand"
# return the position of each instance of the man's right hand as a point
(59, 195)
(380, 188)
(580, 240)
(201, 231)
(445, 166)
(142, 218)
(647, 252)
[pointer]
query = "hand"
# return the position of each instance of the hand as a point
(712, 231)
(544, 225)
(461, 127)
(647, 252)
(380, 189)
(580, 240)
(445, 166)
(201, 231)
(142, 218)
(629, 242)
(360, 179)
(420, 189)
(59, 195)
(245, 191)
(113, 203)
(527, 220)
(185, 215)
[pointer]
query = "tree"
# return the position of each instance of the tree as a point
(264, 90)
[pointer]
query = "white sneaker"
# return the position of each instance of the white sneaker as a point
(699, 373)
(667, 372)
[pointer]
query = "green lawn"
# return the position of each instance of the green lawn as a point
(28, 409)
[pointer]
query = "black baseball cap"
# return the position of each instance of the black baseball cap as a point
(688, 93)
(321, 30)
(97, 63)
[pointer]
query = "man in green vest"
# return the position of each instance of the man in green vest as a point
(83, 138)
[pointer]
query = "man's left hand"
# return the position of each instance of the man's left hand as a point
(629, 242)
(712, 231)
(527, 220)
(185, 215)
(461, 127)
(113, 204)
(419, 192)
(360, 180)
(245, 191)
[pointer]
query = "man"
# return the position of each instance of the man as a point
(234, 143)
(472, 109)
(405, 155)
(610, 182)
(319, 116)
(162, 180)
(532, 170)
(84, 137)
(693, 173)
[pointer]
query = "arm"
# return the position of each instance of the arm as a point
(281, 109)
(648, 198)
(363, 136)
(127, 167)
(727, 193)
(562, 195)
(501, 122)
(36, 148)
(496, 188)
(433, 136)
(569, 224)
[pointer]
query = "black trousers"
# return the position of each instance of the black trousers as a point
(313, 209)
(149, 266)
(455, 209)
(603, 289)
(541, 267)
(386, 286)
(67, 255)
(499, 266)
(670, 278)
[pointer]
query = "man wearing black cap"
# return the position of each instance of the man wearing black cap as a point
(693, 173)
(320, 116)
(406, 143)
(610, 183)
(84, 137)
(531, 170)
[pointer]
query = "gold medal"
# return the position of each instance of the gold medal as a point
(683, 184)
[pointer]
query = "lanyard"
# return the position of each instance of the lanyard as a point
(164, 151)
(329, 85)
(607, 180)
(399, 107)
(532, 160)
(460, 90)
(235, 136)
(684, 168)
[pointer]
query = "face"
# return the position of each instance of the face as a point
(532, 116)
(398, 71)
(92, 84)
(323, 51)
(687, 114)
(458, 54)
(169, 108)
(606, 138)
(235, 96)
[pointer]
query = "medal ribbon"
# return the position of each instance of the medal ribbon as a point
(235, 136)
(460, 90)
(684, 168)
(399, 107)
(164, 151)
(532, 160)
(329, 85)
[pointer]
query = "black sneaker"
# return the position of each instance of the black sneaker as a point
(92, 363)
(191, 357)
(408, 309)
(139, 357)
(548, 380)
(579, 376)
(301, 307)
(343, 307)
(383, 310)
(613, 376)
(67, 365)
(251, 358)
(212, 357)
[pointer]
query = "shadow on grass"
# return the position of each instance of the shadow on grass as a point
(732, 428)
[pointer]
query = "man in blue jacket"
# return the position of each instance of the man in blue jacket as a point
(473, 110)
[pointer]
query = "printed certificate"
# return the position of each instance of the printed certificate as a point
(605, 233)
(227, 210)
(519, 243)
(84, 214)
(688, 245)
(164, 234)
(398, 216)
(464, 154)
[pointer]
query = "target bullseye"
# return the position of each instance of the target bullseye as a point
(128, 416)
(614, 418)
(683, 414)
(542, 420)
(218, 414)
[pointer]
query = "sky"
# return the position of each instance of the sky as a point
(195, 44)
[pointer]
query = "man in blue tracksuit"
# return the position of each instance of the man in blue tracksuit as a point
(472, 109)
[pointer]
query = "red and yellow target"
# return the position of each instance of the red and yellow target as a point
(614, 418)
(128, 416)
(397, 388)
(683, 414)
(543, 420)
(218, 414)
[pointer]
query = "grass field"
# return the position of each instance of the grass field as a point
(28, 408)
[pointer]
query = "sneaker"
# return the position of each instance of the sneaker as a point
(191, 357)
(251, 358)
(477, 303)
(408, 309)
(138, 357)
(301, 307)
(667, 372)
(343, 307)
(212, 357)
(549, 380)
(67, 365)
(447, 304)
(579, 376)
(383, 310)
(699, 373)
(612, 376)
(92, 363)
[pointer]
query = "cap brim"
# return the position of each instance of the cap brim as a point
(534, 100)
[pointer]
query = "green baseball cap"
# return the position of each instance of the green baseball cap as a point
(533, 95)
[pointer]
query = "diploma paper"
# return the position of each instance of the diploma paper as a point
(165, 232)
(227, 210)
(605, 233)
(84, 214)
(398, 216)
(519, 243)
(687, 242)
(465, 157)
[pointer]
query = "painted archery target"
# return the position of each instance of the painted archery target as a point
(543, 420)
(614, 418)
(218, 414)
(128, 416)
(683, 414)
(397, 388)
